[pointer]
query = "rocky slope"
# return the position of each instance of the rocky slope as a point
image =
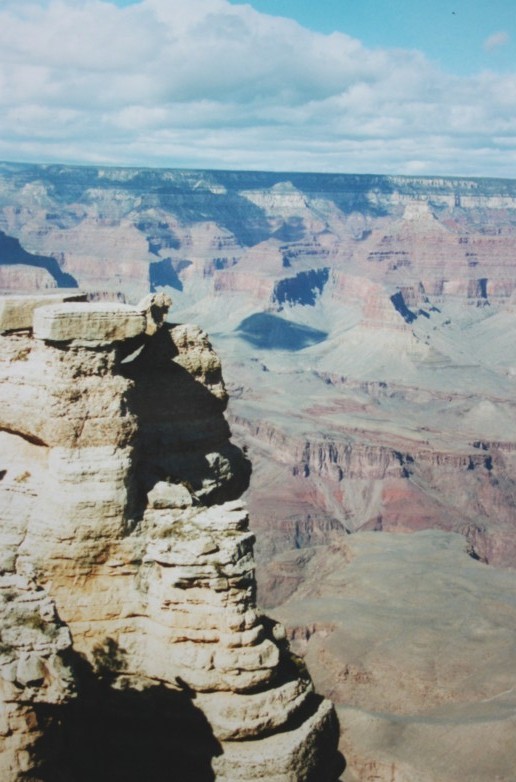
(122, 530)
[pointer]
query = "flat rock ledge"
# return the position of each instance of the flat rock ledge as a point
(89, 324)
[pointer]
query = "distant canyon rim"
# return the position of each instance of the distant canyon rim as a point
(366, 329)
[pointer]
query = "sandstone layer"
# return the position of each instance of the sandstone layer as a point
(123, 530)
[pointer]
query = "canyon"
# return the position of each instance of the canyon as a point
(366, 326)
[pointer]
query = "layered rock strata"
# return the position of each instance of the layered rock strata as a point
(35, 678)
(120, 510)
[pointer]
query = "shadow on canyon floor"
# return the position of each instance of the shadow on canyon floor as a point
(270, 332)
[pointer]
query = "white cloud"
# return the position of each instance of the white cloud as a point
(210, 84)
(496, 40)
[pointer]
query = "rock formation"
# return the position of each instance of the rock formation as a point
(132, 646)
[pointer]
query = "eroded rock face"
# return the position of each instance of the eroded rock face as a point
(119, 507)
(35, 678)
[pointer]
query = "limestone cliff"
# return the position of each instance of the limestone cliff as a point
(132, 646)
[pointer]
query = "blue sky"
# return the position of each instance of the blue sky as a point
(385, 86)
(451, 32)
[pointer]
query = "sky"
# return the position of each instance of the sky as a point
(418, 87)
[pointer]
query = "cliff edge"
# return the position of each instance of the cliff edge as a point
(131, 643)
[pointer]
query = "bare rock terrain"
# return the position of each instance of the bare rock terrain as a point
(367, 329)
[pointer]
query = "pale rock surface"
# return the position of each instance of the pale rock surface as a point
(92, 324)
(34, 672)
(169, 495)
(155, 307)
(119, 496)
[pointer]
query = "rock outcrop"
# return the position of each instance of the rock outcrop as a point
(132, 642)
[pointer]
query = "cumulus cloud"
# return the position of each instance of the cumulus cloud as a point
(210, 84)
(496, 40)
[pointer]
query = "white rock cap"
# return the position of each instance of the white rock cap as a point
(89, 324)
